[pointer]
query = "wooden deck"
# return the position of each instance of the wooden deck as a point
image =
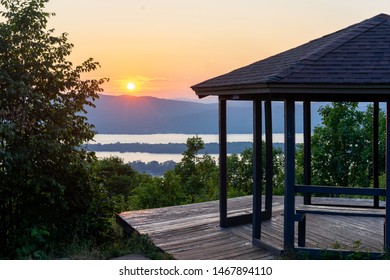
(193, 232)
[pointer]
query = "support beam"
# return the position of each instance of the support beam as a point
(257, 168)
(387, 223)
(222, 164)
(375, 151)
(289, 180)
(307, 148)
(269, 172)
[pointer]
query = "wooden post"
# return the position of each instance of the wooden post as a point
(257, 168)
(307, 148)
(375, 151)
(289, 181)
(222, 163)
(387, 224)
(269, 172)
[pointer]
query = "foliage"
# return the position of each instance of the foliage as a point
(194, 179)
(240, 171)
(118, 177)
(198, 175)
(154, 167)
(120, 244)
(155, 192)
(342, 146)
(46, 191)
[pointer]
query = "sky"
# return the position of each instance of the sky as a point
(165, 46)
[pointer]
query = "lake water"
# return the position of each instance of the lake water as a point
(166, 139)
(145, 157)
(181, 138)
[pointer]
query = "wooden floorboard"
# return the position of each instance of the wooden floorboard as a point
(193, 232)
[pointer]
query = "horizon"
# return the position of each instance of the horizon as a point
(161, 49)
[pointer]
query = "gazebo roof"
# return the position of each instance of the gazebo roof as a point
(352, 61)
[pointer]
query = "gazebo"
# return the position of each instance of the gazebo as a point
(352, 64)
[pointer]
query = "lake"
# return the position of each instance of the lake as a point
(181, 138)
(166, 139)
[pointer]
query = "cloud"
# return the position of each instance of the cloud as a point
(152, 79)
(144, 84)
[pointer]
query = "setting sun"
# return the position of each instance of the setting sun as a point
(131, 86)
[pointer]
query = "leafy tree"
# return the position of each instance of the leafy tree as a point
(198, 174)
(45, 185)
(118, 177)
(153, 167)
(155, 192)
(240, 171)
(342, 146)
(207, 172)
(367, 130)
(194, 179)
(187, 165)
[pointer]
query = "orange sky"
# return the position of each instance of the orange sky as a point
(165, 46)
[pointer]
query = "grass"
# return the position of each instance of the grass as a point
(120, 244)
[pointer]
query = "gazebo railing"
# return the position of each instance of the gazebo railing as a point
(311, 189)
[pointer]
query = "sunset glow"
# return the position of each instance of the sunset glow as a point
(167, 46)
(131, 86)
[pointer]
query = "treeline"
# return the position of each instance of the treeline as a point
(154, 167)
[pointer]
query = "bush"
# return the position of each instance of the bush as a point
(47, 195)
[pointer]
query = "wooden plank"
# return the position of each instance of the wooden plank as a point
(341, 211)
(344, 232)
(193, 231)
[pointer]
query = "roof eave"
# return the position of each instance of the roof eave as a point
(231, 90)
(309, 91)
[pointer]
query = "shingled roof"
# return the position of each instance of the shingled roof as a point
(357, 57)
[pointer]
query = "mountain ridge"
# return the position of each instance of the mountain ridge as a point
(127, 114)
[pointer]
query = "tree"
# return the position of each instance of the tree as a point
(45, 184)
(155, 192)
(240, 171)
(117, 180)
(118, 177)
(198, 174)
(342, 146)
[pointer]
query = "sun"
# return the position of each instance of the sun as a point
(130, 86)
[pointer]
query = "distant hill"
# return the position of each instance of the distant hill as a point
(146, 115)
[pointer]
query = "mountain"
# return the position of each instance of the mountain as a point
(139, 115)
(147, 115)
